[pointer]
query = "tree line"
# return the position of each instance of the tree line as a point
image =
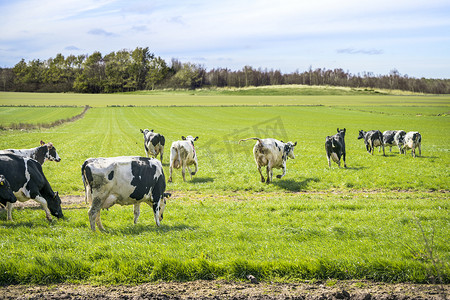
(139, 69)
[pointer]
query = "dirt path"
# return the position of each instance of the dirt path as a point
(230, 290)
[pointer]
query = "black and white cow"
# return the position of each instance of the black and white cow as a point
(183, 154)
(42, 153)
(153, 143)
(124, 180)
(393, 138)
(372, 139)
(335, 147)
(6, 194)
(27, 181)
(412, 140)
(272, 154)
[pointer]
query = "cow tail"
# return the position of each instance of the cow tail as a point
(252, 138)
(85, 183)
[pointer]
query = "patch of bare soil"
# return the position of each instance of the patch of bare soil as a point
(231, 290)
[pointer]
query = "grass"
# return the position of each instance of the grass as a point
(225, 165)
(271, 236)
(13, 116)
(315, 223)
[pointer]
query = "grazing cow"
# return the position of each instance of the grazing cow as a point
(335, 147)
(27, 182)
(6, 194)
(183, 154)
(412, 140)
(372, 139)
(42, 153)
(273, 154)
(124, 180)
(399, 139)
(153, 143)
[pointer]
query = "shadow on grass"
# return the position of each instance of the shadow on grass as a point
(294, 185)
(201, 179)
(141, 228)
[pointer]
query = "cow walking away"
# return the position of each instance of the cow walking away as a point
(6, 194)
(412, 140)
(271, 153)
(335, 147)
(41, 154)
(27, 181)
(153, 143)
(372, 139)
(124, 180)
(393, 138)
(183, 155)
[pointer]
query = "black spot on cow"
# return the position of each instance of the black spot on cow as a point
(143, 177)
(111, 175)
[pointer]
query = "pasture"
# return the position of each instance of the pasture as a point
(372, 220)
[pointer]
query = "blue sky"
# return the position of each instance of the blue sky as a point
(356, 35)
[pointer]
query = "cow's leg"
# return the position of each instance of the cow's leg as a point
(9, 207)
(196, 169)
(262, 177)
(43, 203)
(189, 171)
(284, 171)
(343, 158)
(183, 170)
(384, 154)
(413, 151)
(269, 174)
(161, 155)
(137, 212)
(420, 150)
(329, 161)
(170, 171)
(94, 213)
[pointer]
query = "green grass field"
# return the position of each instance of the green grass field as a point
(315, 223)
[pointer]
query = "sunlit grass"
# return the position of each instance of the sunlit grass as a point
(230, 235)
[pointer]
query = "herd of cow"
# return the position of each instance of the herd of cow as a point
(131, 180)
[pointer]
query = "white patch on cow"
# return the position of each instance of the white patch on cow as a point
(334, 157)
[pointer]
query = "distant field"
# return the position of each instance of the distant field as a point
(224, 98)
(10, 115)
(371, 221)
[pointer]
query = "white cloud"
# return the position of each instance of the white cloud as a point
(241, 32)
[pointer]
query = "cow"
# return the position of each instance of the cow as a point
(42, 153)
(183, 154)
(6, 194)
(153, 143)
(335, 147)
(372, 139)
(412, 140)
(271, 153)
(124, 180)
(27, 181)
(393, 138)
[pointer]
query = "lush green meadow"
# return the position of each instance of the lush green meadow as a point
(315, 223)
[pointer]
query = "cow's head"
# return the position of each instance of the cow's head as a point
(6, 194)
(341, 132)
(162, 205)
(51, 153)
(289, 149)
(189, 138)
(54, 205)
(362, 134)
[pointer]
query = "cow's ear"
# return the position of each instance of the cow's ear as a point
(151, 130)
(183, 138)
(42, 143)
(295, 144)
(345, 130)
(196, 138)
(50, 145)
(142, 131)
(338, 129)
